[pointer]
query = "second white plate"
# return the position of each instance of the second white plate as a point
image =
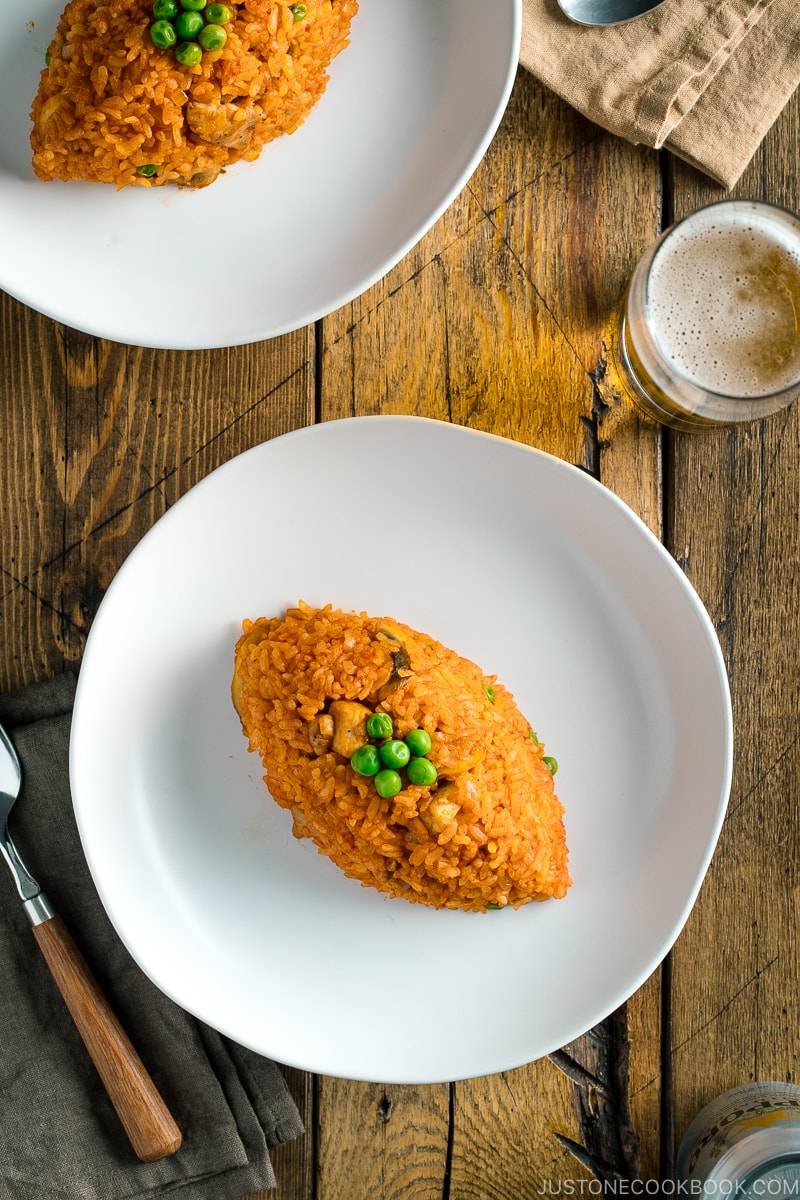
(410, 109)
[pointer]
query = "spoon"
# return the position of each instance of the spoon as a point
(606, 12)
(144, 1116)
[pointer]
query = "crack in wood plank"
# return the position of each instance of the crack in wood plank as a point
(754, 978)
(487, 214)
(598, 1166)
(39, 599)
(763, 777)
(610, 1148)
(169, 473)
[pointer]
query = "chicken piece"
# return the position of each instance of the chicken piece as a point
(57, 115)
(401, 663)
(349, 726)
(441, 811)
(320, 733)
(222, 124)
(256, 635)
(300, 826)
(201, 179)
(456, 756)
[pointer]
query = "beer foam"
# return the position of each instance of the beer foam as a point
(723, 297)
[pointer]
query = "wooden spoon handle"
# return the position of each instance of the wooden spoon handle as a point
(143, 1113)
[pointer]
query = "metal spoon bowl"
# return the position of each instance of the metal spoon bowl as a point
(34, 901)
(606, 12)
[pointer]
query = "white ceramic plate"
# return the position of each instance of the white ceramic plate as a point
(518, 561)
(410, 109)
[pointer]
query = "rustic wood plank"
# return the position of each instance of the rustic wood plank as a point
(645, 1085)
(602, 1059)
(495, 359)
(386, 1141)
(97, 440)
(625, 453)
(506, 1134)
(294, 1163)
(733, 527)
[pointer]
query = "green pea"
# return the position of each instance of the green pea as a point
(366, 760)
(163, 35)
(147, 169)
(188, 54)
(298, 11)
(492, 907)
(394, 753)
(489, 693)
(422, 772)
(188, 25)
(213, 37)
(418, 742)
(550, 763)
(165, 10)
(218, 14)
(387, 783)
(380, 725)
(193, 5)
(532, 737)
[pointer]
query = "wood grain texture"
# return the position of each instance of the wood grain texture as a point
(386, 1141)
(735, 1008)
(506, 1133)
(98, 440)
(144, 1115)
(294, 1163)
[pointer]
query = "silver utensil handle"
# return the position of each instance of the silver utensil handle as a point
(34, 901)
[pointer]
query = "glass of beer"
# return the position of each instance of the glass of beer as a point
(710, 328)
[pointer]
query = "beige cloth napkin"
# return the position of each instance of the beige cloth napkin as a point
(704, 78)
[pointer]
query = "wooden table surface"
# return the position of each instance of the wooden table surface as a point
(497, 320)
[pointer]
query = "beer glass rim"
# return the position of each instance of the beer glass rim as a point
(762, 398)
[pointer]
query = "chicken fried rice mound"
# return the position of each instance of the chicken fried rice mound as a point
(112, 107)
(483, 830)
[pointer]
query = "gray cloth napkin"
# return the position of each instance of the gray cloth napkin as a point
(59, 1135)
